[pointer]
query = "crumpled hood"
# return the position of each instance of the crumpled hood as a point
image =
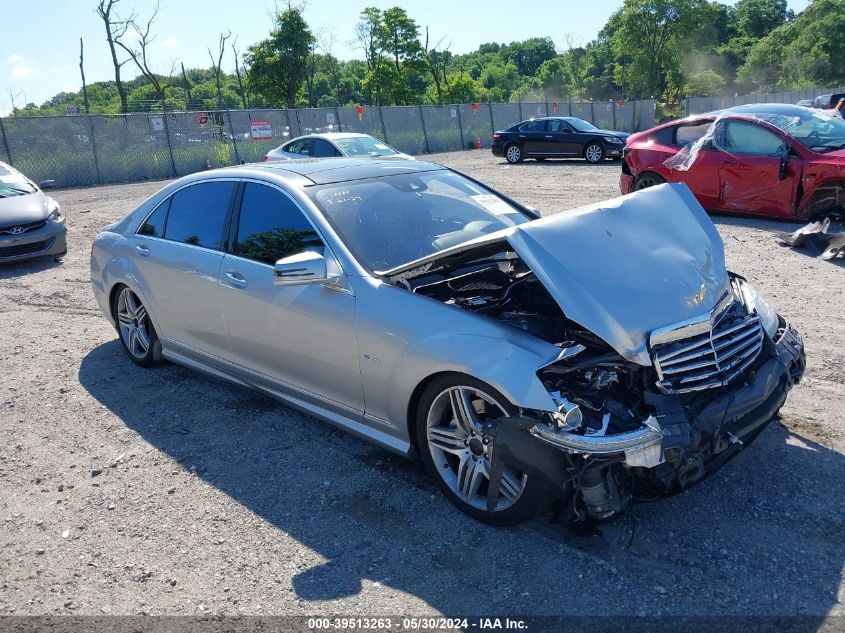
(627, 266)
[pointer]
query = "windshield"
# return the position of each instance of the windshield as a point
(15, 188)
(395, 220)
(581, 125)
(364, 146)
(819, 132)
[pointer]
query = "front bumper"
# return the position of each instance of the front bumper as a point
(47, 241)
(626, 184)
(687, 437)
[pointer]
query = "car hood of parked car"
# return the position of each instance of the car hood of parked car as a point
(617, 134)
(24, 208)
(621, 268)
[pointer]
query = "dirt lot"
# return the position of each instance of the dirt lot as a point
(127, 491)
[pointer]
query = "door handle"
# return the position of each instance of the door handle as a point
(522, 136)
(549, 136)
(143, 250)
(236, 279)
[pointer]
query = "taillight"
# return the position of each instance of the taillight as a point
(496, 137)
(265, 157)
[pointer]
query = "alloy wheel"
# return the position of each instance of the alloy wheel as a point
(460, 449)
(513, 154)
(594, 153)
(646, 181)
(133, 323)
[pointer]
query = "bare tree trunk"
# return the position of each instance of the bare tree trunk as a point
(244, 101)
(217, 66)
(114, 30)
(187, 85)
(82, 73)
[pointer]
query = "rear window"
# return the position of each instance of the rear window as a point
(690, 133)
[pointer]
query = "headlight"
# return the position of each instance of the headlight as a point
(755, 303)
(613, 140)
(55, 211)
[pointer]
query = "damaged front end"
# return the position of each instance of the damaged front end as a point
(640, 408)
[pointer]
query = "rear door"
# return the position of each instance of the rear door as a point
(532, 134)
(298, 339)
(702, 175)
(179, 251)
(749, 170)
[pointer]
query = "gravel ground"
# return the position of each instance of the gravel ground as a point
(129, 491)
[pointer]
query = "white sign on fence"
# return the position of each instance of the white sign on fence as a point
(157, 123)
(260, 130)
(330, 118)
(453, 113)
(71, 110)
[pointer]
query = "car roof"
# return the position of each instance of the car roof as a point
(322, 171)
(786, 109)
(332, 135)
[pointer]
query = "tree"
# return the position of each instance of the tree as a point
(216, 65)
(115, 29)
(757, 18)
(704, 83)
(140, 55)
(277, 64)
(82, 74)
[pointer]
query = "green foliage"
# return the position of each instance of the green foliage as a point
(277, 65)
(666, 49)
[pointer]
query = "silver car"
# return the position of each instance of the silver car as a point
(31, 223)
(334, 145)
(572, 359)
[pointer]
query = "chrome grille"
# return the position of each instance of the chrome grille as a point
(713, 358)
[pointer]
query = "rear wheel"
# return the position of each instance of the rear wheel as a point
(136, 331)
(513, 154)
(648, 179)
(456, 451)
(594, 153)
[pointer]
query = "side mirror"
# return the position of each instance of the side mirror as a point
(308, 267)
(46, 184)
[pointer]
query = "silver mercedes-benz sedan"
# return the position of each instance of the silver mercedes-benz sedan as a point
(574, 362)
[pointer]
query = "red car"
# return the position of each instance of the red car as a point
(773, 160)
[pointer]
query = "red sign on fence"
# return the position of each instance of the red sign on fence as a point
(260, 130)
(360, 111)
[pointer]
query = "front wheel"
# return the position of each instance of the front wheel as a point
(513, 154)
(456, 450)
(594, 153)
(136, 331)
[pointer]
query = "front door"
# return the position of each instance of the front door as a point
(298, 339)
(561, 139)
(750, 170)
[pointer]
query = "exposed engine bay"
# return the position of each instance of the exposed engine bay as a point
(623, 431)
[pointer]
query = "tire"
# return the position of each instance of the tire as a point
(594, 153)
(648, 179)
(452, 456)
(135, 329)
(513, 154)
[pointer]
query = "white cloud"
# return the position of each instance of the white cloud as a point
(16, 58)
(170, 42)
(19, 72)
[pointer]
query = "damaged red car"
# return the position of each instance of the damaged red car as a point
(774, 160)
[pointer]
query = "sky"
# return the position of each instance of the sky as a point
(39, 47)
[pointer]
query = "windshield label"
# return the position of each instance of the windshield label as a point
(494, 205)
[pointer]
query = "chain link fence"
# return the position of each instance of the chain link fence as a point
(699, 105)
(99, 149)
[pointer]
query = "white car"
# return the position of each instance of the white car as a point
(333, 145)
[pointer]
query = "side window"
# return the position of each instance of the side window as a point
(271, 226)
(685, 134)
(324, 149)
(747, 138)
(302, 146)
(154, 224)
(558, 127)
(534, 126)
(198, 213)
